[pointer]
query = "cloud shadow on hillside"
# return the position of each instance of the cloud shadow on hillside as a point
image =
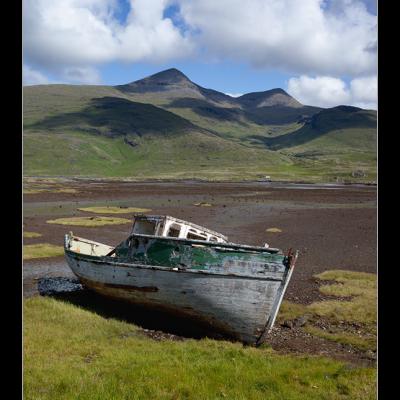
(113, 116)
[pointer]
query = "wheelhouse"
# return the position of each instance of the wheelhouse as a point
(167, 226)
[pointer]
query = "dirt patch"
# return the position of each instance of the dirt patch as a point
(297, 341)
(160, 335)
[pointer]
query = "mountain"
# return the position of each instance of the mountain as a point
(269, 98)
(172, 83)
(165, 125)
(330, 122)
(176, 91)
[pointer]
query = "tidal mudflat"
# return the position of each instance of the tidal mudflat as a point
(333, 227)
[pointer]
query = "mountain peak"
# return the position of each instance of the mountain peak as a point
(269, 98)
(169, 75)
(170, 79)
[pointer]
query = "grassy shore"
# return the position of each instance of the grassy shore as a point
(351, 318)
(71, 353)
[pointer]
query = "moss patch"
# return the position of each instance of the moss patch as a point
(52, 190)
(114, 210)
(34, 191)
(31, 234)
(71, 353)
(273, 230)
(42, 250)
(202, 204)
(65, 190)
(89, 221)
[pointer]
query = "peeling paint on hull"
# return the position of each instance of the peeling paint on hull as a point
(240, 299)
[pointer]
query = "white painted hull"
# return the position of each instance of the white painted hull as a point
(243, 307)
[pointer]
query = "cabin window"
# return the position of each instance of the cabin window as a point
(144, 227)
(195, 236)
(174, 230)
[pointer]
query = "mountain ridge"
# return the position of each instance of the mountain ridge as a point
(165, 122)
(173, 79)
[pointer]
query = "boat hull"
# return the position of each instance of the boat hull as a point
(242, 307)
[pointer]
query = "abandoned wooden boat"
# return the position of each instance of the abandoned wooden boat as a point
(182, 268)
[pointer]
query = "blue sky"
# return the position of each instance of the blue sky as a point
(224, 76)
(321, 52)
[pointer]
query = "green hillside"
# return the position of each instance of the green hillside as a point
(166, 126)
(192, 155)
(113, 116)
(342, 128)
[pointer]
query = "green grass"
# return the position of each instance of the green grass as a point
(184, 156)
(41, 250)
(360, 308)
(290, 311)
(114, 210)
(89, 221)
(193, 155)
(71, 353)
(360, 341)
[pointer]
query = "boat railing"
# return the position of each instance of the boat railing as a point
(225, 246)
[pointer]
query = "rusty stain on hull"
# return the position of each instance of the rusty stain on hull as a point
(130, 287)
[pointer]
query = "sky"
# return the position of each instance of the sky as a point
(322, 52)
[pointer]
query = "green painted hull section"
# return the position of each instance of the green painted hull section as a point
(190, 254)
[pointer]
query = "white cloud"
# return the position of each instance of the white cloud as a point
(323, 91)
(326, 91)
(78, 34)
(71, 38)
(306, 36)
(32, 77)
(364, 91)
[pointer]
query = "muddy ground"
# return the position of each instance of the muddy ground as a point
(333, 227)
